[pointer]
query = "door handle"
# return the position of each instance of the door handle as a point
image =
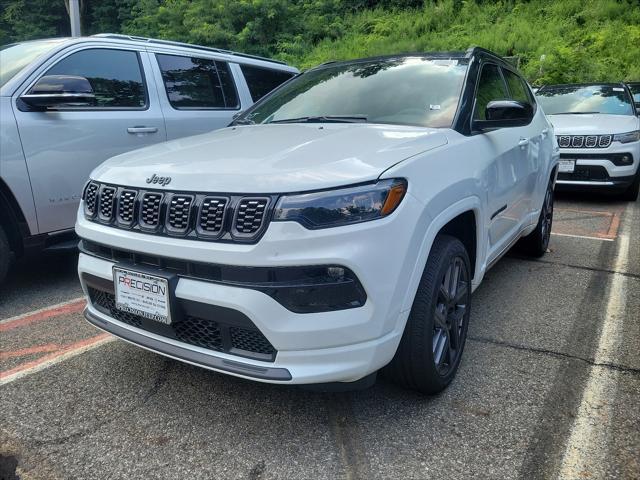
(523, 142)
(135, 130)
(544, 132)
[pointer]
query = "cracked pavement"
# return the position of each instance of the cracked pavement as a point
(533, 360)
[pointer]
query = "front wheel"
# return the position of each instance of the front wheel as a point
(631, 194)
(537, 242)
(429, 353)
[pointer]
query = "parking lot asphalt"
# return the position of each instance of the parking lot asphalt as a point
(549, 385)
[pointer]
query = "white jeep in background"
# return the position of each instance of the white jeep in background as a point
(68, 104)
(598, 132)
(339, 226)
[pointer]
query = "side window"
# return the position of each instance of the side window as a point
(517, 87)
(197, 82)
(262, 80)
(490, 87)
(115, 76)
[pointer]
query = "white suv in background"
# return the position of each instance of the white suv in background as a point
(337, 227)
(67, 105)
(598, 132)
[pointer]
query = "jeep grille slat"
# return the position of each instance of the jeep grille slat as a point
(179, 213)
(250, 215)
(107, 196)
(126, 206)
(90, 198)
(150, 210)
(211, 215)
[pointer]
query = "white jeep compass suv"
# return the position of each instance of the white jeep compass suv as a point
(337, 227)
(598, 132)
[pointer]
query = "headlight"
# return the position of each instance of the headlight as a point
(344, 206)
(627, 137)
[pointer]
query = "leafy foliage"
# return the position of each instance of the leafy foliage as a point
(553, 41)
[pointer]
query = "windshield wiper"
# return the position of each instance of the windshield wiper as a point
(324, 118)
(573, 113)
(243, 121)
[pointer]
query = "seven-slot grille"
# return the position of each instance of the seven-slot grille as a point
(211, 217)
(587, 141)
(179, 213)
(250, 215)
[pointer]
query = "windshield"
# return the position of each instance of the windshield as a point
(16, 56)
(405, 91)
(585, 99)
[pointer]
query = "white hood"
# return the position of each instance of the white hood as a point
(272, 158)
(593, 124)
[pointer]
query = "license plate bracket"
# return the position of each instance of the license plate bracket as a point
(567, 166)
(145, 294)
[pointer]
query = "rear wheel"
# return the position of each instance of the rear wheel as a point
(5, 254)
(433, 340)
(631, 194)
(537, 242)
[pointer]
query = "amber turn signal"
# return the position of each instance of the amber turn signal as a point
(395, 196)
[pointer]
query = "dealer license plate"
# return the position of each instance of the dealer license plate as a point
(141, 294)
(567, 166)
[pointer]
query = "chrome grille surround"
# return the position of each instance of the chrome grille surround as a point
(211, 216)
(584, 141)
(564, 141)
(236, 218)
(150, 206)
(179, 213)
(577, 141)
(249, 216)
(126, 206)
(106, 202)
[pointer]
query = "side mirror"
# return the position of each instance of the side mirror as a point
(53, 91)
(504, 113)
(638, 108)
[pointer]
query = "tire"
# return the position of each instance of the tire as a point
(537, 242)
(430, 350)
(5, 255)
(631, 194)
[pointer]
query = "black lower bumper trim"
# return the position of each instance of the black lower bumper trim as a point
(181, 353)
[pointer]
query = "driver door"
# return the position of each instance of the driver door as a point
(64, 145)
(507, 172)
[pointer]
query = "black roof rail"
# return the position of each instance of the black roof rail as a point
(471, 51)
(157, 41)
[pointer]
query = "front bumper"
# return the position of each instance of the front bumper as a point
(600, 168)
(330, 346)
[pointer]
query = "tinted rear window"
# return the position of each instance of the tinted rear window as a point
(585, 99)
(262, 80)
(197, 82)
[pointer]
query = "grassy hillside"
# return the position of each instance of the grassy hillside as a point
(581, 40)
(593, 40)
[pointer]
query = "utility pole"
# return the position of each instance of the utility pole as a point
(74, 17)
